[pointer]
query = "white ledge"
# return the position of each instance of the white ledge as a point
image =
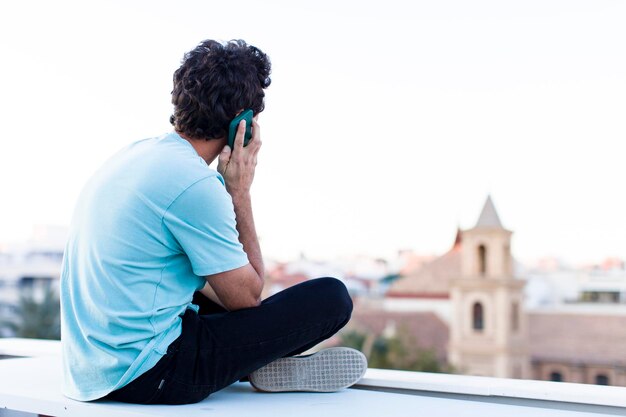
(14, 346)
(495, 387)
(32, 385)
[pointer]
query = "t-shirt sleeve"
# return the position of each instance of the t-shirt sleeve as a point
(202, 219)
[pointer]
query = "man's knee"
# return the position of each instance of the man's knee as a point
(333, 296)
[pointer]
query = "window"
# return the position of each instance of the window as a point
(602, 379)
(482, 260)
(600, 296)
(478, 322)
(507, 260)
(27, 282)
(514, 316)
(30, 283)
(556, 377)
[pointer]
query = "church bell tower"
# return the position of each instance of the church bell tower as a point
(488, 330)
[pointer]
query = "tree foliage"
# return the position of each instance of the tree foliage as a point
(35, 316)
(399, 352)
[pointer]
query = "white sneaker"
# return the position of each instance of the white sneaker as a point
(328, 370)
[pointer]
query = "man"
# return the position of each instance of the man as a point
(154, 225)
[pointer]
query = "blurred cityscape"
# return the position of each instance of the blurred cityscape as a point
(473, 310)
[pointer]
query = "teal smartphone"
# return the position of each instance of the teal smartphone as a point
(246, 115)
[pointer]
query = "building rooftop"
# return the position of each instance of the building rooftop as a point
(432, 280)
(578, 338)
(489, 216)
(426, 329)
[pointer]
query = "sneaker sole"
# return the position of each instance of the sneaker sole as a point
(328, 370)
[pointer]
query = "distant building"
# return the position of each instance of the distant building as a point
(474, 292)
(488, 330)
(362, 276)
(33, 266)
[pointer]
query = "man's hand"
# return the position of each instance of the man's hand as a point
(237, 165)
(242, 287)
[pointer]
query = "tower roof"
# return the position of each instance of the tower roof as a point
(489, 216)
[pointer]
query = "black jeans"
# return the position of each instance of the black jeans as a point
(217, 347)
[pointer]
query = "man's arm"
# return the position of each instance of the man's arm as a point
(210, 294)
(242, 287)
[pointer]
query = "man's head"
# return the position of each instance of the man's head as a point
(215, 82)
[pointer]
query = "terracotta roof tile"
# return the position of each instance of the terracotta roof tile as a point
(432, 279)
(578, 338)
(428, 330)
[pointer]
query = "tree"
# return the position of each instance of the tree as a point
(35, 317)
(398, 352)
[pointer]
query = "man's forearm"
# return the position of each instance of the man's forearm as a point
(247, 232)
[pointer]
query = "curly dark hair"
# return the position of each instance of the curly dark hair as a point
(214, 82)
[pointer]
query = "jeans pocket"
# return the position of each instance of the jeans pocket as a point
(175, 392)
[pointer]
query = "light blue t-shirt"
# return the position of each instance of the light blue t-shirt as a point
(148, 226)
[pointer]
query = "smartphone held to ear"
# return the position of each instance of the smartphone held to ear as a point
(246, 115)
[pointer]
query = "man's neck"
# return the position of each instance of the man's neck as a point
(206, 149)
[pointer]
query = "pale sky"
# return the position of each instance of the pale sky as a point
(386, 124)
